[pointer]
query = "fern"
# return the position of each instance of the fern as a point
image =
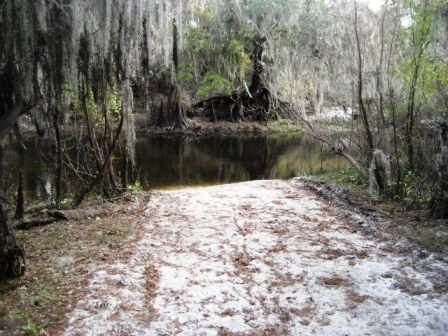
(213, 84)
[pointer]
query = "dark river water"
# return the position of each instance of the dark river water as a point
(168, 161)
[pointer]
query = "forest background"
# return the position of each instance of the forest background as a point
(83, 63)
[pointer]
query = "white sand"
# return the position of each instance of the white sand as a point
(258, 258)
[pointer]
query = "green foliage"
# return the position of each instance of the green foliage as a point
(136, 187)
(216, 42)
(16, 315)
(46, 293)
(411, 190)
(285, 125)
(213, 84)
(186, 75)
(238, 56)
(31, 329)
(351, 175)
(113, 102)
(420, 70)
(430, 79)
(112, 106)
(77, 110)
(23, 319)
(409, 180)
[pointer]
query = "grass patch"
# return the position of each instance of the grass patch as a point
(348, 178)
(407, 218)
(284, 125)
(432, 238)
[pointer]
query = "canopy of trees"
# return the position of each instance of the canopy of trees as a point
(81, 62)
(76, 60)
(386, 69)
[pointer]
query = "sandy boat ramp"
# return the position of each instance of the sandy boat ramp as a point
(261, 258)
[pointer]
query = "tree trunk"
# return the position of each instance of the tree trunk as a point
(362, 107)
(12, 256)
(379, 173)
(104, 165)
(439, 203)
(340, 149)
(60, 161)
(8, 120)
(124, 168)
(260, 97)
(175, 49)
(12, 260)
(20, 206)
(254, 103)
(175, 115)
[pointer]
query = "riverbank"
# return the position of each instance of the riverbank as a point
(199, 127)
(255, 258)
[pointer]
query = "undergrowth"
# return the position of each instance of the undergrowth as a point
(407, 212)
(57, 257)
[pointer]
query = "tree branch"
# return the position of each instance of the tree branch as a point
(100, 174)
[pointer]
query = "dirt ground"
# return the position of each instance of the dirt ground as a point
(260, 258)
(203, 126)
(252, 258)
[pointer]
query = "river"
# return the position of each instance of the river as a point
(173, 161)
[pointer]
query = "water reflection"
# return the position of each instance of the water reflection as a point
(171, 161)
(164, 161)
(35, 161)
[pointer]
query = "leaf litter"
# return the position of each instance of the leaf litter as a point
(259, 258)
